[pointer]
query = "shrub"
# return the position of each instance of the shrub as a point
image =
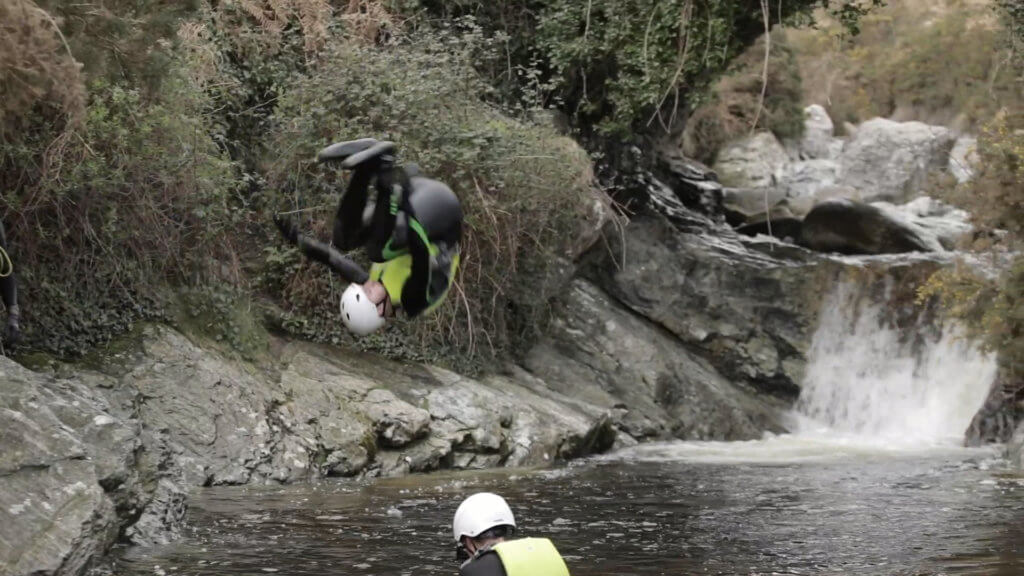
(102, 216)
(525, 190)
(736, 101)
(625, 66)
(38, 75)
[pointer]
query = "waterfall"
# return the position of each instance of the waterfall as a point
(919, 384)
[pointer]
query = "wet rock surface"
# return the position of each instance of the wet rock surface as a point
(850, 227)
(889, 161)
(65, 469)
(749, 313)
(90, 458)
(1015, 449)
(655, 385)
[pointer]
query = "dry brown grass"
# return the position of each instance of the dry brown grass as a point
(368, 20)
(735, 109)
(273, 16)
(937, 61)
(36, 68)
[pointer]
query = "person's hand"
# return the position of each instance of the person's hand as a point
(287, 228)
(377, 294)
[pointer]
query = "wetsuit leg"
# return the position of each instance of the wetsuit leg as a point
(349, 231)
(382, 225)
(9, 294)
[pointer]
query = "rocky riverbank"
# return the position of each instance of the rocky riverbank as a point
(93, 455)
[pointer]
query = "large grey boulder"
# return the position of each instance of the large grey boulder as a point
(818, 140)
(935, 219)
(752, 162)
(65, 468)
(89, 457)
(742, 204)
(850, 227)
(661, 388)
(805, 178)
(890, 161)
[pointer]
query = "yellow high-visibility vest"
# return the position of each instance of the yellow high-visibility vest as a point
(531, 557)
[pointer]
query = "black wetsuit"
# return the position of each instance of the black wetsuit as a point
(484, 563)
(9, 294)
(411, 215)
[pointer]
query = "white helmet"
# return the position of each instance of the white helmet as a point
(479, 513)
(358, 312)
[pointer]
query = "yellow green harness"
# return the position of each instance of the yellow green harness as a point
(396, 269)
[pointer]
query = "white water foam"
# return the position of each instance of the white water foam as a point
(871, 390)
(869, 378)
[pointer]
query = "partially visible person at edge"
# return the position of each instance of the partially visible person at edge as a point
(411, 233)
(483, 528)
(9, 292)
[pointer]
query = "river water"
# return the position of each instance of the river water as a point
(780, 506)
(872, 481)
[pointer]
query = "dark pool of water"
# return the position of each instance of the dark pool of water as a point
(657, 511)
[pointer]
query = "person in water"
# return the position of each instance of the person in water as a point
(411, 233)
(483, 527)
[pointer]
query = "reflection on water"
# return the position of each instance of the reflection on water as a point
(777, 506)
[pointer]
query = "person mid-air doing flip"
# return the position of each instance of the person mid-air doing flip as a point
(410, 231)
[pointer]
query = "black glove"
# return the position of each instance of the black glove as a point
(287, 228)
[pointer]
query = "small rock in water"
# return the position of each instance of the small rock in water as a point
(363, 566)
(394, 512)
(269, 569)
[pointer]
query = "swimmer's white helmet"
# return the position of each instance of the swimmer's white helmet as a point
(358, 312)
(479, 513)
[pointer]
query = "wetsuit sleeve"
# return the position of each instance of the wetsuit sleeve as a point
(326, 254)
(9, 284)
(349, 231)
(486, 564)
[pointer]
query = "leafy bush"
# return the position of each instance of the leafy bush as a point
(526, 192)
(624, 66)
(104, 211)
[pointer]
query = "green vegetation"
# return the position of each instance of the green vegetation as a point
(111, 186)
(144, 146)
(622, 66)
(939, 62)
(993, 306)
